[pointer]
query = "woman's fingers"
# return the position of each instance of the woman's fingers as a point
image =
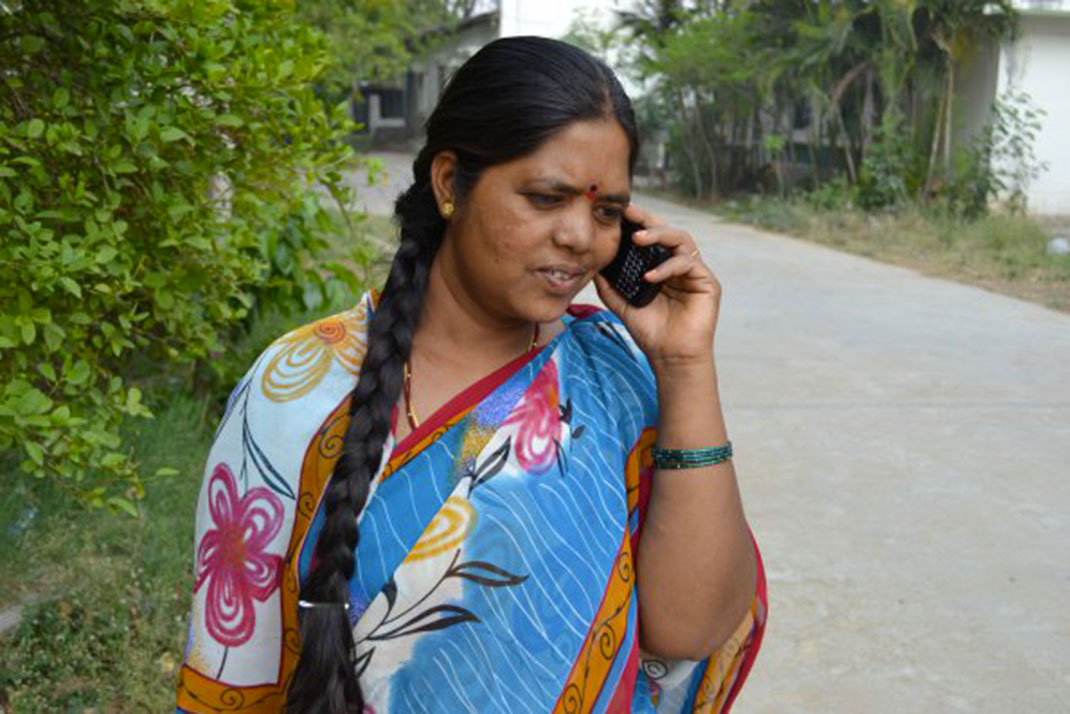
(655, 230)
(686, 258)
(675, 266)
(675, 240)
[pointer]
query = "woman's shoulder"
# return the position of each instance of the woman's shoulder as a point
(289, 393)
(322, 355)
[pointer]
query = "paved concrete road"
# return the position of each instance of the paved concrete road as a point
(393, 175)
(903, 444)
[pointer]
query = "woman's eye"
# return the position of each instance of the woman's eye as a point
(542, 200)
(610, 213)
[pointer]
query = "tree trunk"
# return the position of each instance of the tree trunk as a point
(709, 142)
(787, 172)
(813, 140)
(692, 158)
(811, 147)
(934, 149)
(852, 175)
(949, 115)
(868, 114)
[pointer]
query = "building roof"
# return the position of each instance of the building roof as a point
(1043, 8)
(491, 17)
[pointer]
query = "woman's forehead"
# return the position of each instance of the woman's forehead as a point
(584, 154)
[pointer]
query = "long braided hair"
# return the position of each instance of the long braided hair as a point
(504, 102)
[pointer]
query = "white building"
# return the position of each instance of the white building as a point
(1037, 63)
(400, 111)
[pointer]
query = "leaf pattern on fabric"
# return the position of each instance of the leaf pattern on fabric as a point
(485, 574)
(490, 466)
(363, 660)
(608, 331)
(433, 618)
(444, 615)
(251, 451)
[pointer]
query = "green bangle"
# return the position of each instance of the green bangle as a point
(673, 459)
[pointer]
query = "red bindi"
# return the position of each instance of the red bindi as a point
(592, 192)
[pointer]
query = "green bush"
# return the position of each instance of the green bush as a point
(106, 600)
(889, 175)
(998, 163)
(161, 172)
(836, 194)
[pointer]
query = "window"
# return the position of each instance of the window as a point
(392, 104)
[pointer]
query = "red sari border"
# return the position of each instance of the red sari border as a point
(461, 404)
(457, 407)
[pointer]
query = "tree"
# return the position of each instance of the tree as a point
(589, 32)
(159, 164)
(375, 40)
(876, 77)
(957, 27)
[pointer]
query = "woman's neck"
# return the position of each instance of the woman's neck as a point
(456, 328)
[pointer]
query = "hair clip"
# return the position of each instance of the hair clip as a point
(308, 605)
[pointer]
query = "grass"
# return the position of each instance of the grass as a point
(110, 593)
(1003, 253)
(106, 596)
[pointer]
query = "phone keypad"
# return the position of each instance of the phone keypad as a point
(632, 273)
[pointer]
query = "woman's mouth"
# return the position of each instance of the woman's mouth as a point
(561, 279)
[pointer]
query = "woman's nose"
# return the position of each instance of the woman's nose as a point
(576, 228)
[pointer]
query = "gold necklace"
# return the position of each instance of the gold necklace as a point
(414, 422)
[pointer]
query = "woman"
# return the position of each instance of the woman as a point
(522, 544)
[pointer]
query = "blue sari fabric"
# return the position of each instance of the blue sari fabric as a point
(495, 570)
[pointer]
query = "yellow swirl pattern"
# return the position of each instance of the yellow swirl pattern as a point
(308, 353)
(447, 530)
(723, 666)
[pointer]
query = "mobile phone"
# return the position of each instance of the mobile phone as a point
(626, 271)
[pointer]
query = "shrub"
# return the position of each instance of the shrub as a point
(159, 168)
(833, 195)
(886, 175)
(999, 161)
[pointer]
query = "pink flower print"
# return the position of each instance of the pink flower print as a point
(231, 556)
(537, 414)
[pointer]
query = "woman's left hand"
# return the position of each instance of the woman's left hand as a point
(677, 327)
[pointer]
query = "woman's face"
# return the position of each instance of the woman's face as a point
(531, 233)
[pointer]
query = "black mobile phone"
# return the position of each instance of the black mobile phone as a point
(626, 271)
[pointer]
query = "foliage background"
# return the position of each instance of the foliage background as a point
(781, 96)
(161, 165)
(172, 197)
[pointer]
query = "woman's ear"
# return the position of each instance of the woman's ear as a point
(443, 167)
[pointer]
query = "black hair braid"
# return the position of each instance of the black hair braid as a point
(326, 635)
(504, 102)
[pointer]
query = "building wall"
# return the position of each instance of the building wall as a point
(977, 78)
(429, 75)
(548, 18)
(1039, 63)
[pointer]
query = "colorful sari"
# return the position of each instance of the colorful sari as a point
(496, 565)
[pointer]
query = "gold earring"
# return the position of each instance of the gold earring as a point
(447, 209)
